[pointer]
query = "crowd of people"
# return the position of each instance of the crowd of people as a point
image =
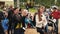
(17, 20)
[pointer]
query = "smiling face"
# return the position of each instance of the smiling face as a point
(42, 9)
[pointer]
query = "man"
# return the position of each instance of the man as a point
(56, 15)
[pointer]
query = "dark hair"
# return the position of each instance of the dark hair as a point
(54, 8)
(20, 9)
(1, 16)
(15, 8)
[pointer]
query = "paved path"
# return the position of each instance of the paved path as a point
(31, 31)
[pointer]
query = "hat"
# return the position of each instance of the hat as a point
(54, 7)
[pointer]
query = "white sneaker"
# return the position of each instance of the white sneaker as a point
(24, 28)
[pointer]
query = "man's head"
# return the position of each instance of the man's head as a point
(54, 9)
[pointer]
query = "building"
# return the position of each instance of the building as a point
(6, 2)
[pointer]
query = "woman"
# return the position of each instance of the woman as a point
(15, 21)
(18, 21)
(41, 21)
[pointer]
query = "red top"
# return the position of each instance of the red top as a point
(55, 14)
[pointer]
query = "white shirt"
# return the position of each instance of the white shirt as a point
(41, 23)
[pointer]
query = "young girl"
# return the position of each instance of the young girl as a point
(5, 22)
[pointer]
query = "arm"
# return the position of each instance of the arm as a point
(44, 21)
(37, 20)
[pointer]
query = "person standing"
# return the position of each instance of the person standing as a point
(10, 14)
(16, 21)
(5, 22)
(41, 21)
(56, 15)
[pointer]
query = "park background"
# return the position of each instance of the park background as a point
(34, 4)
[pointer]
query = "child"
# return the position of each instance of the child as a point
(5, 22)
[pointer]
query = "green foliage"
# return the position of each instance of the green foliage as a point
(32, 10)
(46, 3)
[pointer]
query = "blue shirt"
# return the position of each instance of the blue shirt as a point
(5, 23)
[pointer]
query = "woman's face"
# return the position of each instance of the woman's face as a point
(16, 11)
(41, 9)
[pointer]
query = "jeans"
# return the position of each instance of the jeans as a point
(40, 30)
(19, 31)
(46, 28)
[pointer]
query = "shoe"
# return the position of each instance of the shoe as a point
(24, 28)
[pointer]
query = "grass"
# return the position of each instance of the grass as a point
(32, 10)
